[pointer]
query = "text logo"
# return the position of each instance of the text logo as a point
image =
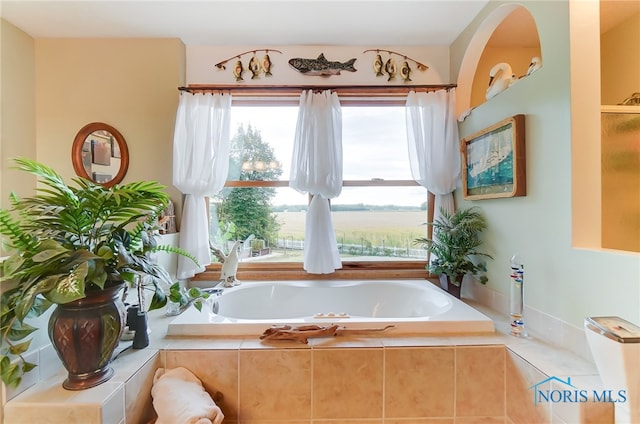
(568, 393)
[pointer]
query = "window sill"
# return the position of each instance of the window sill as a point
(351, 270)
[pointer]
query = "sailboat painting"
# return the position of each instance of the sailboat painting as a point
(493, 162)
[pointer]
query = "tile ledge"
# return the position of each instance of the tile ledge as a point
(548, 358)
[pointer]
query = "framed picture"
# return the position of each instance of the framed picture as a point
(115, 148)
(493, 161)
(101, 178)
(86, 156)
(101, 152)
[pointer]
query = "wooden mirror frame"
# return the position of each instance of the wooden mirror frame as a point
(78, 143)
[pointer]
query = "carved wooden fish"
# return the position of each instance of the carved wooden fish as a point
(378, 65)
(266, 65)
(238, 69)
(390, 69)
(254, 67)
(321, 66)
(405, 71)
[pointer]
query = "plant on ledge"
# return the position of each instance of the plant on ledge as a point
(71, 244)
(455, 241)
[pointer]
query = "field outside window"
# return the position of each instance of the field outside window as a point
(379, 213)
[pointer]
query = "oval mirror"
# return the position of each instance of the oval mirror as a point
(100, 154)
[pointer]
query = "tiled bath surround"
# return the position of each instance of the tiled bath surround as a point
(458, 379)
(369, 380)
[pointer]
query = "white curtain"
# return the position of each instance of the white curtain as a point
(200, 166)
(434, 149)
(317, 169)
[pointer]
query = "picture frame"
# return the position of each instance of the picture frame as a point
(115, 148)
(101, 152)
(493, 161)
(86, 156)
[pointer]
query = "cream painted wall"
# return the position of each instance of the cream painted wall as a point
(17, 117)
(561, 280)
(201, 62)
(53, 87)
(130, 84)
(17, 111)
(620, 61)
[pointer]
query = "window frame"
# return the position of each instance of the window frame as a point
(350, 269)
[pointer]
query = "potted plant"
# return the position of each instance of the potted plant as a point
(182, 298)
(77, 247)
(453, 247)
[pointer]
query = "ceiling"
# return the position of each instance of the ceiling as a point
(284, 22)
(257, 22)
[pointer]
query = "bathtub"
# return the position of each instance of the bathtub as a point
(410, 306)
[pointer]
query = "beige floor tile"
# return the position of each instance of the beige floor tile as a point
(347, 383)
(480, 381)
(275, 384)
(419, 382)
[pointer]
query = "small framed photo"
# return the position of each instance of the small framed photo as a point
(493, 161)
(100, 152)
(86, 157)
(115, 148)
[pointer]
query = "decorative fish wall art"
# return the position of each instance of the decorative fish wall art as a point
(255, 65)
(321, 66)
(390, 68)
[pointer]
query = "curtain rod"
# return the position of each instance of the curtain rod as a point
(285, 90)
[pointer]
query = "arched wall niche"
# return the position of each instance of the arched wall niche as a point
(509, 34)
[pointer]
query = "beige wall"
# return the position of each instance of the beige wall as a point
(53, 87)
(130, 84)
(566, 275)
(17, 110)
(17, 117)
(620, 61)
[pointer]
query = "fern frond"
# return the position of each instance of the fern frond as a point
(18, 238)
(173, 249)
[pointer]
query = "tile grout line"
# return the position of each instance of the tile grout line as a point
(238, 417)
(311, 384)
(384, 381)
(455, 383)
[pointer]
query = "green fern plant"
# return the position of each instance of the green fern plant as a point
(454, 244)
(67, 240)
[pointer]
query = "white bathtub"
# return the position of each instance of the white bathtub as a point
(411, 306)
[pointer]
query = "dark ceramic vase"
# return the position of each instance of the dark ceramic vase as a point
(85, 333)
(451, 288)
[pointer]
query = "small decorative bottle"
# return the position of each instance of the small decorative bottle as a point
(517, 297)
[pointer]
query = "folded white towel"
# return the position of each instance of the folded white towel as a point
(180, 398)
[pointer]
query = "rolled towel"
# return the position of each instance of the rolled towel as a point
(180, 398)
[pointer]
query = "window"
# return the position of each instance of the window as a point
(379, 213)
